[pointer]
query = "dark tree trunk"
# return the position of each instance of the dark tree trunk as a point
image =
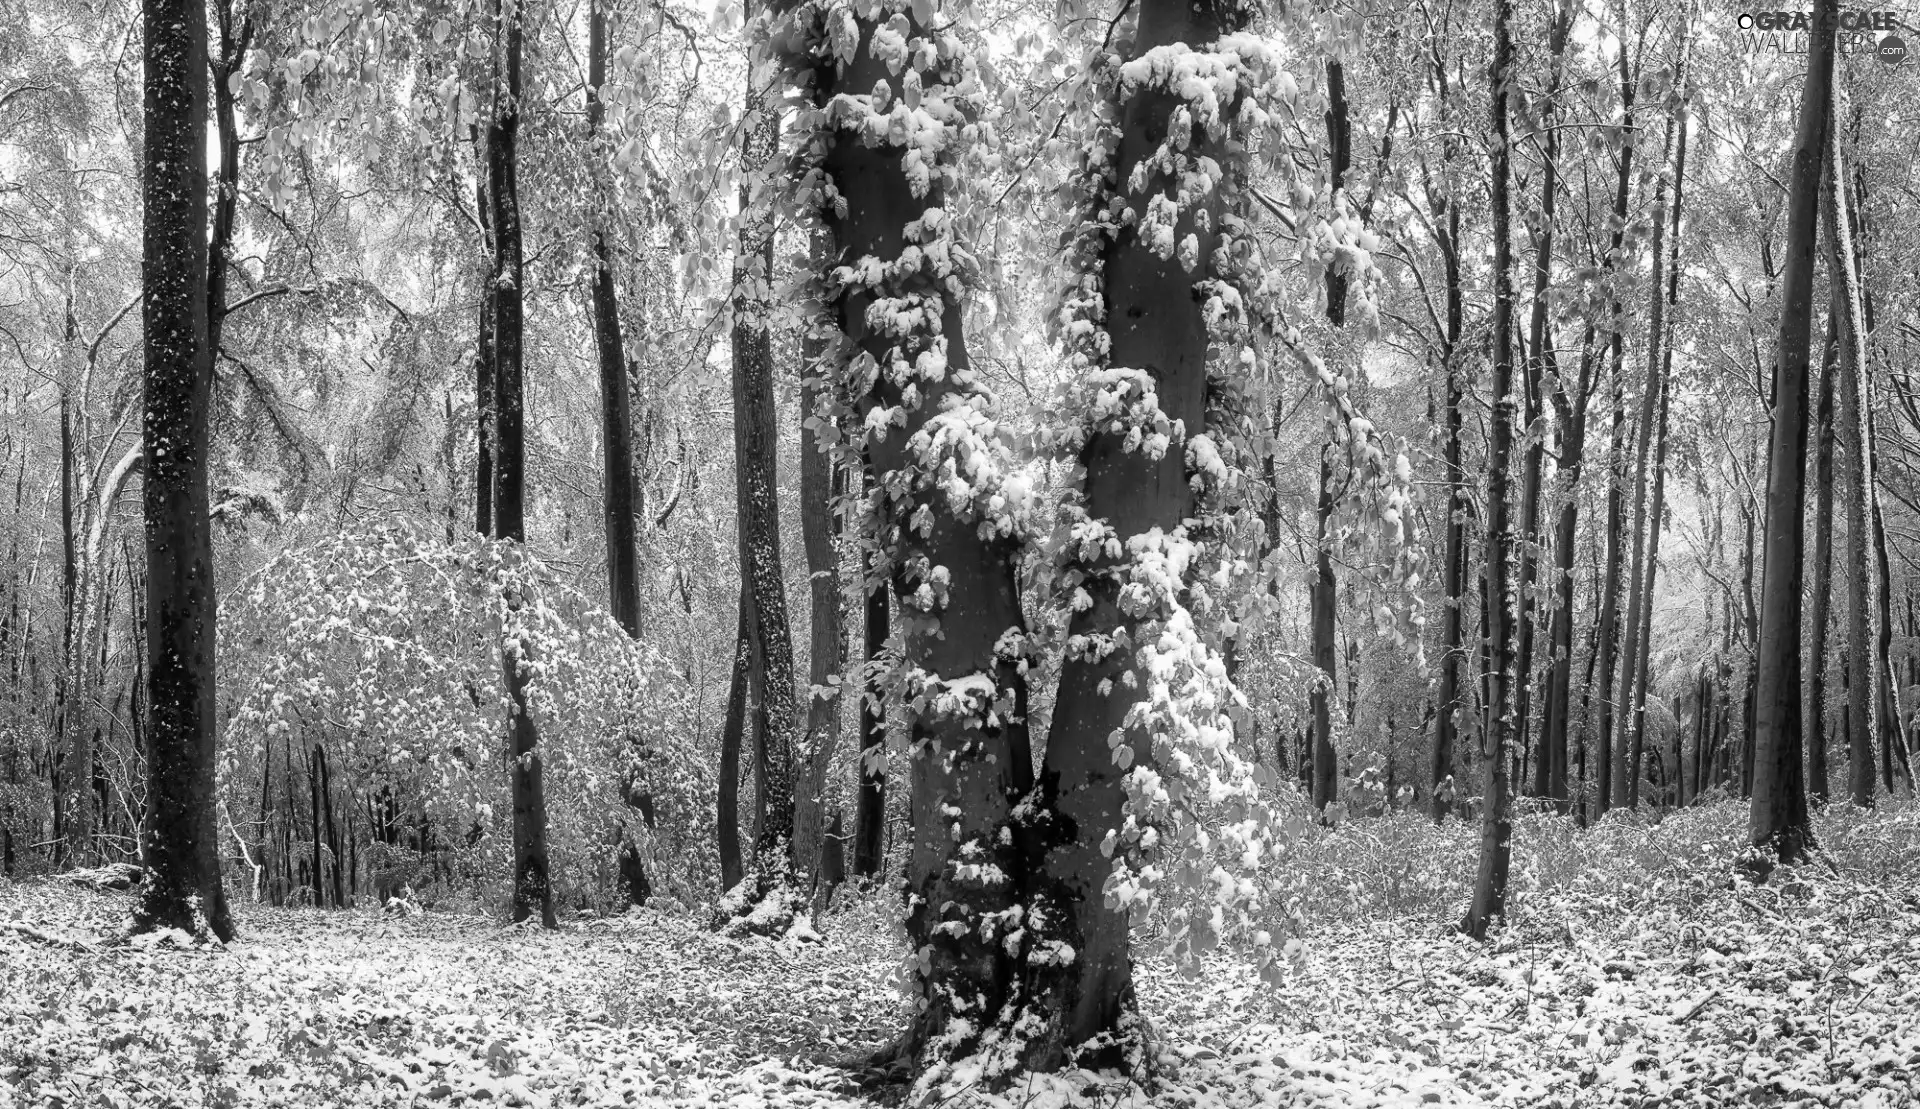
(1550, 758)
(616, 419)
(964, 631)
(1779, 823)
(826, 655)
(871, 814)
(1322, 591)
(1820, 596)
(532, 889)
(1626, 744)
(756, 488)
(732, 736)
(1496, 821)
(1658, 382)
(179, 840)
(1450, 702)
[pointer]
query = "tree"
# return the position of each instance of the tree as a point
(1496, 821)
(1857, 439)
(1778, 822)
(763, 590)
(179, 840)
(616, 421)
(532, 888)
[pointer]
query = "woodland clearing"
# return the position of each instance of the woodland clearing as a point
(1634, 971)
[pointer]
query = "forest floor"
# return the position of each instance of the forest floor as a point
(1633, 972)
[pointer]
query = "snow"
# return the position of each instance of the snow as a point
(1633, 972)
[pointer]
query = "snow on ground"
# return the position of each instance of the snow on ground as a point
(1634, 972)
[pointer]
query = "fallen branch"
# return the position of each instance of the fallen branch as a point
(1693, 1010)
(32, 933)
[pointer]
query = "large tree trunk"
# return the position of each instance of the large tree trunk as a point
(532, 890)
(1778, 822)
(756, 492)
(616, 420)
(950, 554)
(1135, 502)
(179, 840)
(1496, 821)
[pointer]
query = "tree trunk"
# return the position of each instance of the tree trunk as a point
(1627, 745)
(1453, 654)
(951, 556)
(871, 813)
(1778, 822)
(1820, 597)
(532, 889)
(756, 489)
(1496, 821)
(616, 419)
(1855, 439)
(180, 844)
(1322, 595)
(732, 736)
(826, 654)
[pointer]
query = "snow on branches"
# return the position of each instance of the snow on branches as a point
(385, 646)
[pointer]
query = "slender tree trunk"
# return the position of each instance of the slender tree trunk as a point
(1496, 822)
(1626, 744)
(485, 391)
(1820, 597)
(732, 737)
(1855, 439)
(532, 889)
(1453, 653)
(179, 840)
(1323, 597)
(1543, 366)
(871, 814)
(616, 419)
(1660, 383)
(1779, 821)
(826, 654)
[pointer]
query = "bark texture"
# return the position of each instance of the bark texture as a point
(179, 841)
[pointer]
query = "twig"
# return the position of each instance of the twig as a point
(1694, 1009)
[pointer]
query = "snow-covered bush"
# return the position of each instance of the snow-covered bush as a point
(382, 649)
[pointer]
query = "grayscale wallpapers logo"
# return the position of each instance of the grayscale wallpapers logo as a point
(1862, 31)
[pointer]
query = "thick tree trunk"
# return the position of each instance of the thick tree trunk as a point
(179, 840)
(950, 556)
(1496, 821)
(756, 490)
(1778, 822)
(616, 420)
(532, 889)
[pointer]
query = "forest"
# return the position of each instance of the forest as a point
(958, 553)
